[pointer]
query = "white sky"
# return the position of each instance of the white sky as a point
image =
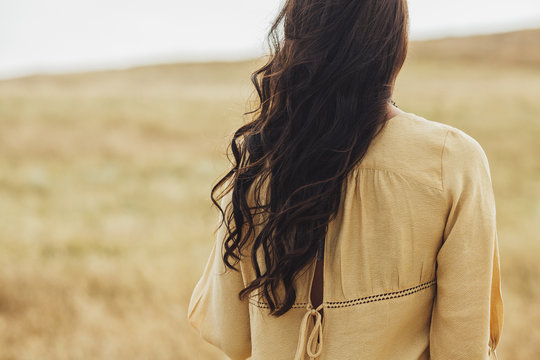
(73, 35)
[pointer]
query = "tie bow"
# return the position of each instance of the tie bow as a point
(316, 333)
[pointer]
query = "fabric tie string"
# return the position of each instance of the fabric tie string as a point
(316, 332)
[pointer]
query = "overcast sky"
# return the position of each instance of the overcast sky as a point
(72, 35)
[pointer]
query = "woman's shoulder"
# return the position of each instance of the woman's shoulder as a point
(415, 146)
(460, 150)
(424, 128)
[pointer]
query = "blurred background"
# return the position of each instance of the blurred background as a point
(114, 121)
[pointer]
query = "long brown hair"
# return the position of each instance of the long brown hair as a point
(323, 96)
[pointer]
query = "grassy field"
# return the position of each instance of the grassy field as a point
(106, 219)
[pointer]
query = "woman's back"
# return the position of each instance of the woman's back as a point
(411, 263)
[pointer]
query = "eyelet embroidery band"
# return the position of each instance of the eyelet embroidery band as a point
(379, 297)
(264, 305)
(362, 300)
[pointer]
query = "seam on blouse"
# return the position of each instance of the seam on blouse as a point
(400, 174)
(362, 300)
(442, 153)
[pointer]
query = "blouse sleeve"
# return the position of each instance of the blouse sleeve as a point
(467, 314)
(214, 309)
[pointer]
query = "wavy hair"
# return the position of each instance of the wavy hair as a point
(323, 95)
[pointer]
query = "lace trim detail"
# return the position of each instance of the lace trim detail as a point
(362, 300)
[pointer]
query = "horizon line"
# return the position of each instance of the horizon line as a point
(200, 58)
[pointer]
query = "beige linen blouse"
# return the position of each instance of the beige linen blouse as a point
(411, 263)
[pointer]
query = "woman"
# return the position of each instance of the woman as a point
(350, 229)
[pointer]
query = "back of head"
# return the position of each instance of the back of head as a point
(323, 96)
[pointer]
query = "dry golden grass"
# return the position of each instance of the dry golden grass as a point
(105, 208)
